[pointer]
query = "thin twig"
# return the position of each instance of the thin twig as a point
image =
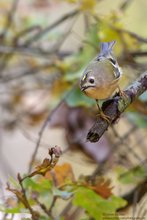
(100, 169)
(32, 71)
(29, 51)
(132, 34)
(123, 141)
(141, 188)
(139, 54)
(135, 199)
(125, 5)
(66, 209)
(50, 27)
(43, 207)
(25, 32)
(10, 18)
(5, 58)
(46, 122)
(52, 204)
(23, 198)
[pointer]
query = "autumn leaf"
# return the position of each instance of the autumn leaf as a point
(34, 118)
(47, 164)
(101, 186)
(61, 174)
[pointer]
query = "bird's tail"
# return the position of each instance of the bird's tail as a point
(106, 48)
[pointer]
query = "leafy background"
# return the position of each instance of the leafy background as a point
(39, 67)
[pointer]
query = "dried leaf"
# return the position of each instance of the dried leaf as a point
(36, 117)
(61, 174)
(101, 186)
(47, 164)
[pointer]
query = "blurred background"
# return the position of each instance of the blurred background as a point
(44, 47)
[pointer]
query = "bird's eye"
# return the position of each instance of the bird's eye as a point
(91, 80)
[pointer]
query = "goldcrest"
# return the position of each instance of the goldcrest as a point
(101, 77)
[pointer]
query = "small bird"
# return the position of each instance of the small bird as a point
(101, 77)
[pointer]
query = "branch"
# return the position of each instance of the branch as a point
(46, 122)
(125, 5)
(10, 17)
(114, 107)
(31, 71)
(50, 27)
(139, 53)
(132, 34)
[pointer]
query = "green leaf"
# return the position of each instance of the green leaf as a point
(138, 119)
(42, 186)
(134, 175)
(14, 182)
(77, 98)
(95, 205)
(44, 218)
(10, 210)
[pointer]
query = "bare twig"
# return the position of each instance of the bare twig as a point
(113, 108)
(28, 72)
(21, 196)
(132, 34)
(40, 135)
(24, 48)
(50, 27)
(52, 204)
(125, 5)
(29, 51)
(25, 32)
(125, 143)
(46, 122)
(43, 207)
(9, 18)
(103, 166)
(139, 54)
(135, 199)
(66, 209)
(141, 188)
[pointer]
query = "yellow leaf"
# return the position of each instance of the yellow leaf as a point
(86, 5)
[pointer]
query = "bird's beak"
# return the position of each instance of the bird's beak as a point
(83, 88)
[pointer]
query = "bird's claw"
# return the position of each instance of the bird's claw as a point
(102, 115)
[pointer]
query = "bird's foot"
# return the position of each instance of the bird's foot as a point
(122, 93)
(102, 115)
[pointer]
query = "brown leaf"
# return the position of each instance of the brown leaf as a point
(47, 164)
(61, 174)
(34, 118)
(100, 185)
